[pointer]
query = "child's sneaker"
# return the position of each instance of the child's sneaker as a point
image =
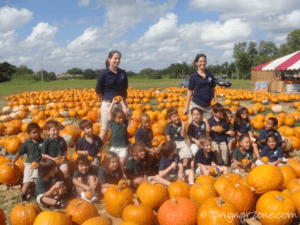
(23, 198)
(235, 171)
(83, 197)
(94, 199)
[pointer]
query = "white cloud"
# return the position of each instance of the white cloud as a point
(12, 18)
(81, 21)
(83, 2)
(8, 43)
(41, 37)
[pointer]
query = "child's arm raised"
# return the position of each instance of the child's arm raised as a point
(124, 108)
(110, 109)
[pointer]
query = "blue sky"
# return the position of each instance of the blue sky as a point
(80, 33)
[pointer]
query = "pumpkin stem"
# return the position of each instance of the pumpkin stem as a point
(174, 201)
(280, 198)
(119, 188)
(220, 202)
(253, 189)
(237, 185)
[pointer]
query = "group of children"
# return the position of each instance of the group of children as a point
(204, 147)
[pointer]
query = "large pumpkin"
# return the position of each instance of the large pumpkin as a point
(98, 220)
(9, 175)
(179, 210)
(52, 217)
(200, 192)
(295, 164)
(277, 204)
(139, 214)
(265, 178)
(116, 198)
(221, 184)
(203, 179)
(217, 211)
(79, 211)
(295, 196)
(152, 194)
(12, 144)
(288, 174)
(179, 189)
(24, 214)
(241, 196)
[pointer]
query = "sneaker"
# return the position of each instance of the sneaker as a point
(284, 159)
(94, 199)
(235, 171)
(83, 197)
(23, 198)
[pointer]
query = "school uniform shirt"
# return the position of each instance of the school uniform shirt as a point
(165, 162)
(135, 168)
(32, 149)
(85, 177)
(215, 136)
(174, 132)
(243, 128)
(196, 131)
(200, 157)
(110, 178)
(118, 135)
(112, 84)
(54, 148)
(273, 155)
(264, 133)
(239, 156)
(92, 148)
(145, 136)
(202, 88)
(42, 185)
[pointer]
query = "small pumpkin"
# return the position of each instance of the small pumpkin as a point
(178, 210)
(139, 214)
(52, 217)
(203, 179)
(200, 192)
(24, 214)
(98, 220)
(288, 174)
(179, 189)
(295, 164)
(9, 175)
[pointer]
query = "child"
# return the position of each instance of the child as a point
(270, 129)
(110, 173)
(243, 155)
(205, 162)
(89, 144)
(55, 147)
(84, 179)
(217, 133)
(231, 139)
(272, 150)
(145, 134)
(170, 167)
(176, 131)
(32, 147)
(136, 167)
(49, 188)
(242, 123)
(118, 122)
(198, 127)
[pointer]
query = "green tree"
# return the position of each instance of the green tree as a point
(75, 71)
(267, 48)
(243, 61)
(6, 71)
(89, 74)
(293, 40)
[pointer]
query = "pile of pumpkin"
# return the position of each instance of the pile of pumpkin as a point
(268, 193)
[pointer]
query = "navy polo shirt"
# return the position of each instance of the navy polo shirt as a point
(196, 131)
(215, 136)
(92, 148)
(135, 168)
(201, 158)
(264, 133)
(202, 88)
(145, 136)
(112, 84)
(272, 155)
(243, 128)
(174, 132)
(164, 163)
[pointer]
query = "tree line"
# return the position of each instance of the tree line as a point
(246, 55)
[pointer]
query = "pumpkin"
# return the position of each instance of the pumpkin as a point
(200, 192)
(277, 204)
(24, 214)
(152, 194)
(295, 142)
(265, 178)
(79, 211)
(203, 179)
(9, 175)
(265, 159)
(98, 220)
(295, 164)
(288, 174)
(179, 189)
(277, 108)
(295, 196)
(89, 195)
(52, 217)
(293, 185)
(12, 144)
(2, 217)
(221, 183)
(241, 196)
(217, 211)
(116, 198)
(178, 210)
(234, 177)
(139, 214)
(128, 223)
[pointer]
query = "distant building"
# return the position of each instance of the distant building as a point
(67, 75)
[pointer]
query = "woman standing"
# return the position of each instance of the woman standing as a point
(111, 82)
(202, 88)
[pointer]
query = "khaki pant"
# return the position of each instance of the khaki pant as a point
(221, 152)
(206, 110)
